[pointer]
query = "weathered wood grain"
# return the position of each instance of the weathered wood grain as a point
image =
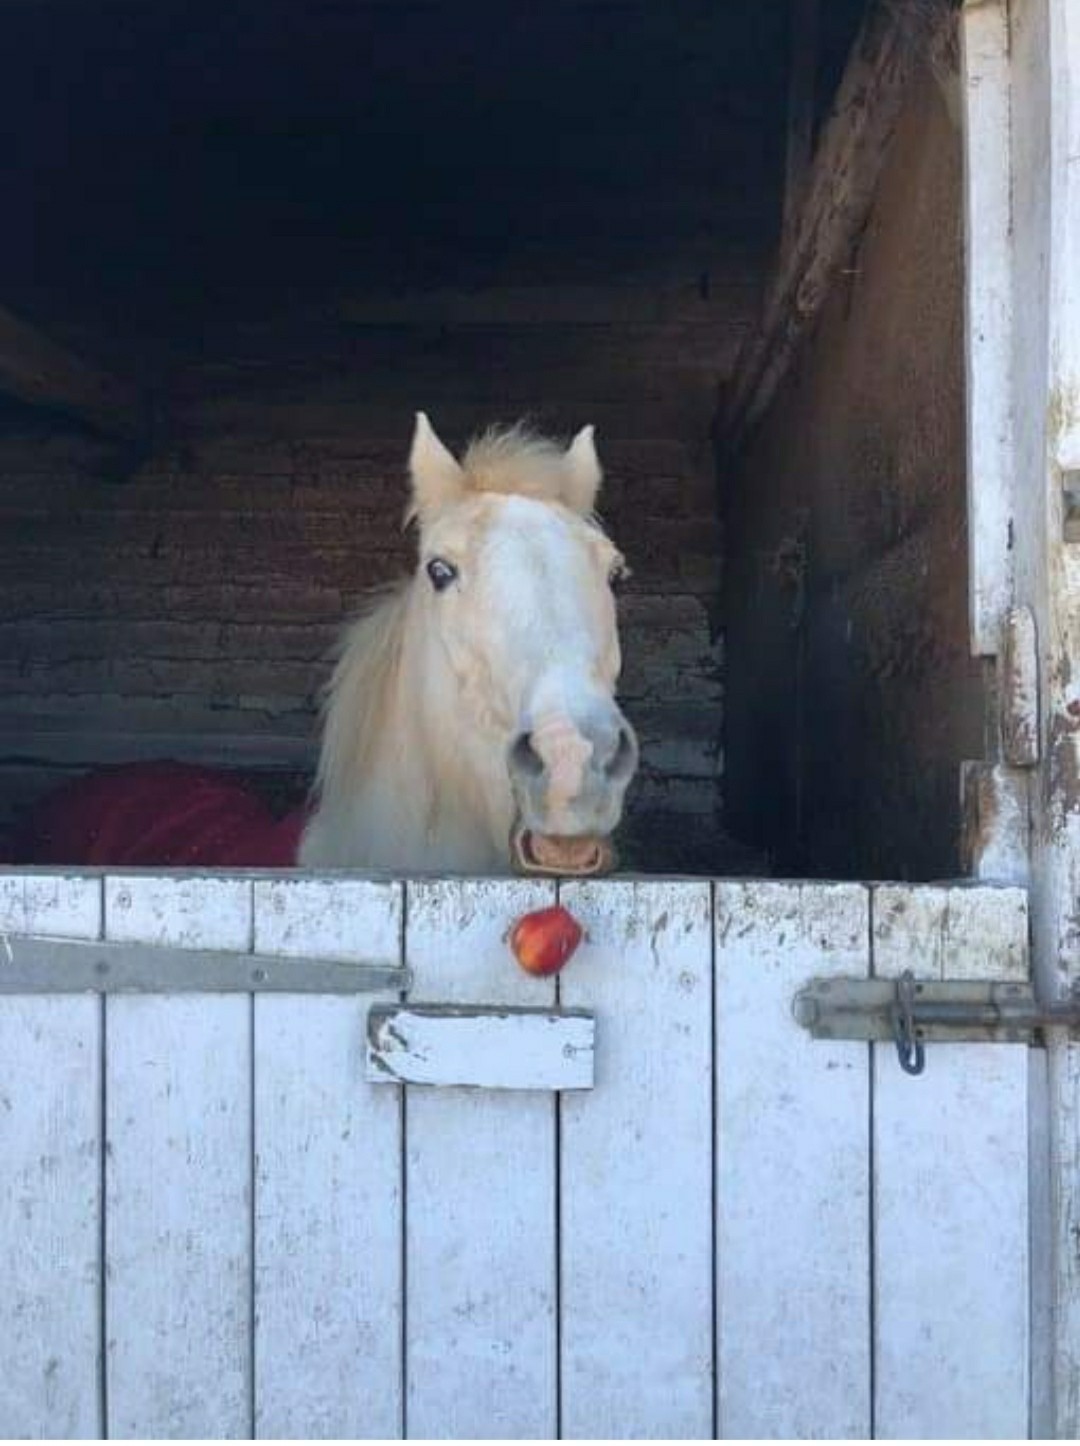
(941, 931)
(50, 1180)
(328, 1181)
(480, 1192)
(1043, 93)
(1063, 297)
(185, 910)
(951, 1343)
(792, 1171)
(178, 1175)
(635, 1235)
(1020, 739)
(984, 44)
(950, 1250)
(330, 1345)
(1042, 1119)
(1063, 1337)
(49, 901)
(995, 843)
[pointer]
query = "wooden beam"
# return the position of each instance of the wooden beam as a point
(802, 85)
(837, 196)
(39, 371)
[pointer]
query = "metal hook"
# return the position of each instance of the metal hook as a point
(910, 1049)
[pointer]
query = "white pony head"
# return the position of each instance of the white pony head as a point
(471, 721)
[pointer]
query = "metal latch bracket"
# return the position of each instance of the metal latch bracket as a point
(912, 1012)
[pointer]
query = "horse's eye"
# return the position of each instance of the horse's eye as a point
(441, 572)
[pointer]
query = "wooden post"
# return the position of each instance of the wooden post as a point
(1022, 71)
(836, 198)
(984, 45)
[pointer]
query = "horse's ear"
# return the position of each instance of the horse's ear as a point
(436, 477)
(583, 473)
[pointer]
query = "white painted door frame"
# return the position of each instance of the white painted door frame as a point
(1022, 123)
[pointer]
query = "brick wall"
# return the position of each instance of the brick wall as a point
(182, 603)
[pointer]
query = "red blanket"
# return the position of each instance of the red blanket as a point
(163, 815)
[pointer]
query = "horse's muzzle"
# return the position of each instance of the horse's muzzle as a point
(569, 777)
(551, 856)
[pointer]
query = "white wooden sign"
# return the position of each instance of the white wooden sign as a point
(501, 1049)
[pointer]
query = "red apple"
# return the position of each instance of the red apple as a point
(544, 940)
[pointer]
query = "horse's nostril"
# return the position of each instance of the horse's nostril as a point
(623, 761)
(524, 758)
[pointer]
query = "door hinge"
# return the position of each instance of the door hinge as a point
(36, 964)
(912, 1012)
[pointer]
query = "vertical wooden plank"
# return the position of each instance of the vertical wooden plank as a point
(943, 931)
(46, 902)
(187, 911)
(793, 1186)
(178, 1174)
(636, 1167)
(1063, 1070)
(480, 1193)
(951, 1244)
(995, 830)
(951, 1341)
(988, 331)
(1045, 84)
(1020, 739)
(1064, 309)
(1055, 82)
(50, 1179)
(1041, 1242)
(328, 1221)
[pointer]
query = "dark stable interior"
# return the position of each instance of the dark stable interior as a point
(293, 225)
(178, 166)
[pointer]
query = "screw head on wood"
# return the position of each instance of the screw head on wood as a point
(805, 1009)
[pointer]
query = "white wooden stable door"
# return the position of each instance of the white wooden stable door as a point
(211, 1224)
